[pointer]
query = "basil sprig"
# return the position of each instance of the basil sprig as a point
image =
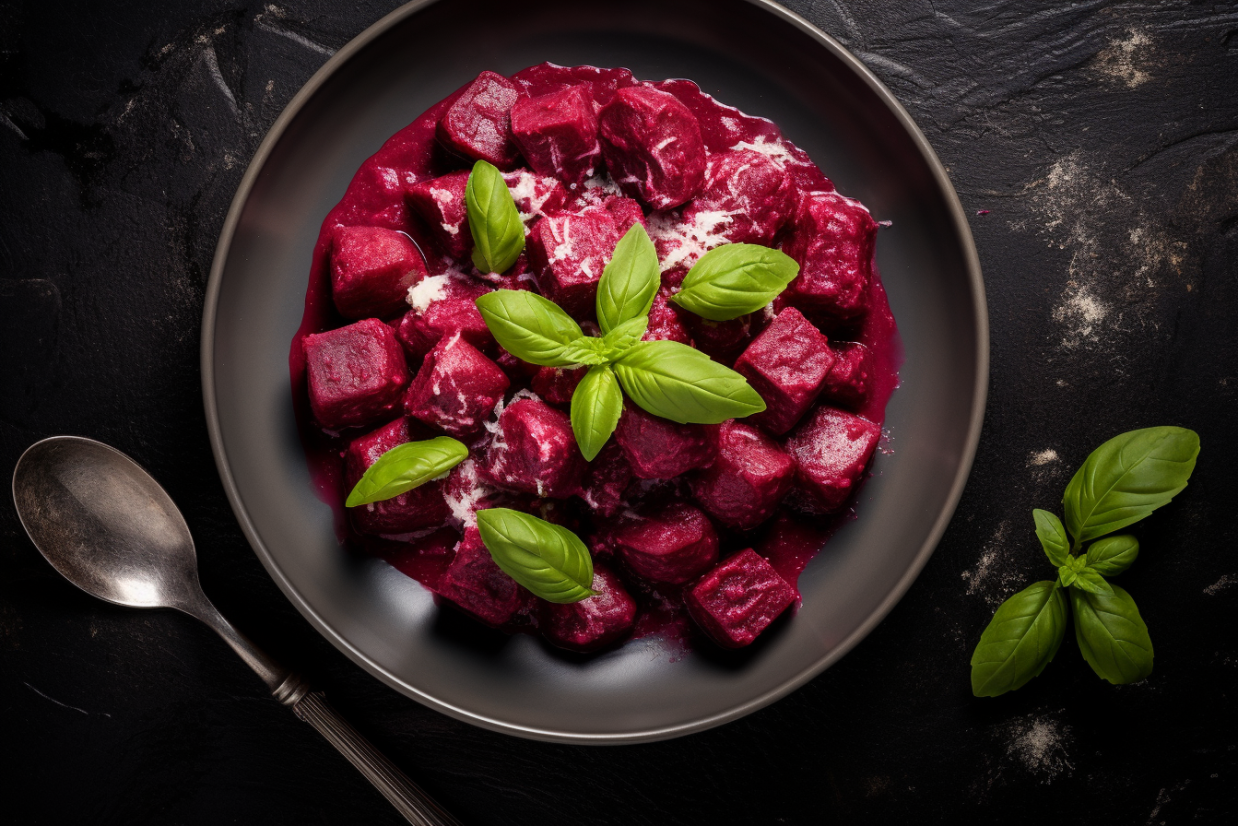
(494, 220)
(1120, 483)
(665, 378)
(405, 467)
(734, 280)
(548, 559)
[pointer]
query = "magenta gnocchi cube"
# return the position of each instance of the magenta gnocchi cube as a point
(442, 306)
(672, 543)
(420, 508)
(748, 479)
(606, 480)
(750, 192)
(558, 133)
(534, 451)
(665, 321)
(832, 239)
(371, 271)
(456, 388)
(355, 374)
(738, 599)
(439, 202)
(594, 622)
(535, 195)
(569, 251)
(478, 124)
(626, 212)
(720, 340)
(847, 383)
(475, 583)
(658, 448)
(557, 384)
(652, 146)
(831, 449)
(787, 365)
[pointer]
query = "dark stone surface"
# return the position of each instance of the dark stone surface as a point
(1096, 144)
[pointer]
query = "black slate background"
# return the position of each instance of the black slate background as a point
(1096, 145)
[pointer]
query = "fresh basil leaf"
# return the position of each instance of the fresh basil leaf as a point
(1112, 636)
(1066, 575)
(1113, 554)
(622, 338)
(676, 382)
(1087, 579)
(734, 280)
(405, 467)
(1021, 640)
(1127, 478)
(1052, 536)
(629, 281)
(587, 350)
(530, 327)
(548, 559)
(596, 406)
(494, 220)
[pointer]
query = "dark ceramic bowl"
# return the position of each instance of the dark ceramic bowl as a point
(748, 53)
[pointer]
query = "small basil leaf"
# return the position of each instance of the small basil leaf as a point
(587, 350)
(630, 281)
(1127, 478)
(1113, 554)
(405, 467)
(1066, 575)
(1022, 638)
(596, 406)
(622, 338)
(530, 327)
(1089, 580)
(734, 280)
(676, 382)
(1052, 536)
(548, 559)
(1112, 636)
(494, 220)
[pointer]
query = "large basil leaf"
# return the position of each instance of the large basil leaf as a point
(494, 220)
(548, 559)
(1020, 641)
(734, 280)
(405, 467)
(596, 406)
(531, 327)
(1127, 478)
(1052, 536)
(1112, 636)
(676, 382)
(1113, 554)
(630, 281)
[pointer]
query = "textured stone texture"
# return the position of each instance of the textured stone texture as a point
(1101, 139)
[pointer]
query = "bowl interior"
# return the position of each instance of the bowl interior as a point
(750, 55)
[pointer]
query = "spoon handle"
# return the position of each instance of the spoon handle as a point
(409, 800)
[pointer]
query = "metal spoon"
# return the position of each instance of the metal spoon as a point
(111, 530)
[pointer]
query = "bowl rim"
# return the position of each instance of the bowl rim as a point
(971, 262)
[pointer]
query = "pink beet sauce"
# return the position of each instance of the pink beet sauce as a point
(375, 197)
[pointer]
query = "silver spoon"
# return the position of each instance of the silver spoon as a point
(111, 530)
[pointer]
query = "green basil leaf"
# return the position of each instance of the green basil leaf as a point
(596, 406)
(1066, 575)
(548, 559)
(494, 220)
(676, 382)
(530, 327)
(734, 280)
(1087, 579)
(1113, 554)
(405, 467)
(587, 350)
(1052, 536)
(1022, 638)
(1112, 636)
(622, 338)
(1127, 478)
(630, 281)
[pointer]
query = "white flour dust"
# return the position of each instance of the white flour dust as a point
(1126, 61)
(1038, 744)
(1220, 585)
(996, 575)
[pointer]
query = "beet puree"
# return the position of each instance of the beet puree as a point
(715, 176)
